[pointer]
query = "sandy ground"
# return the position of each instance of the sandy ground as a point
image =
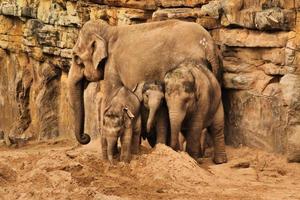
(65, 170)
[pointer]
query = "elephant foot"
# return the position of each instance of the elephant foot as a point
(220, 158)
(199, 160)
(104, 157)
(135, 150)
(125, 159)
(151, 140)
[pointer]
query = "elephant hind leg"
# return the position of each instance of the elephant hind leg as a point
(216, 129)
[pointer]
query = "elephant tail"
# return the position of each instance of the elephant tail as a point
(214, 57)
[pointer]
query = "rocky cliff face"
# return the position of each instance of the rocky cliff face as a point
(259, 40)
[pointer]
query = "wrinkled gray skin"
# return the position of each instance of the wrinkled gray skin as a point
(202, 140)
(154, 113)
(121, 120)
(193, 96)
(130, 54)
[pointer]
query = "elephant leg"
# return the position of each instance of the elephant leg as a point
(116, 150)
(152, 139)
(192, 139)
(181, 141)
(216, 129)
(126, 141)
(136, 137)
(162, 126)
(104, 147)
(202, 142)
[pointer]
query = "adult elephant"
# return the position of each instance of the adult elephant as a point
(130, 54)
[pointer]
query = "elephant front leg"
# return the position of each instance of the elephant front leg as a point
(162, 126)
(192, 141)
(136, 137)
(202, 142)
(104, 148)
(181, 140)
(216, 129)
(192, 132)
(126, 139)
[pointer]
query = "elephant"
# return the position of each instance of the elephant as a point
(122, 120)
(126, 55)
(193, 97)
(154, 113)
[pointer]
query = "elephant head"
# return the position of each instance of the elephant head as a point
(88, 62)
(181, 96)
(151, 93)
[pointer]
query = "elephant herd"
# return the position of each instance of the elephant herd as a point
(160, 80)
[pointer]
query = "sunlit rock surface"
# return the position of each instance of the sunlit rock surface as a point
(259, 41)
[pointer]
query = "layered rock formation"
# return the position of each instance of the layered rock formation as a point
(259, 41)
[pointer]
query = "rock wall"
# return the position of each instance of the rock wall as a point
(258, 40)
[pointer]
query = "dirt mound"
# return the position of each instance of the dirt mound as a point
(60, 170)
(163, 164)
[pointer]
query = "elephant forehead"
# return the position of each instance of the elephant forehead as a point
(179, 75)
(173, 87)
(113, 122)
(79, 46)
(114, 111)
(153, 85)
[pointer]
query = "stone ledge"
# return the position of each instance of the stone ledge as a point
(249, 38)
(151, 4)
(254, 81)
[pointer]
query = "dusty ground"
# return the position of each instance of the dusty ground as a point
(65, 170)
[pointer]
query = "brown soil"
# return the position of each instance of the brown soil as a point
(65, 170)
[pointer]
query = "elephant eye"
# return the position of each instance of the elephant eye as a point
(94, 45)
(77, 60)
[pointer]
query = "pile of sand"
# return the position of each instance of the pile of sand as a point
(65, 170)
(163, 164)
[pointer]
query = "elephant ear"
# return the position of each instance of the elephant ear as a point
(195, 71)
(137, 90)
(99, 50)
(106, 108)
(128, 112)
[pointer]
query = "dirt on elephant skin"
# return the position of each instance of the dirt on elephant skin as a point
(65, 170)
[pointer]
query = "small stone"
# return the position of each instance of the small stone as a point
(245, 164)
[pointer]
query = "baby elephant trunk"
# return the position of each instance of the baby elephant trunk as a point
(176, 119)
(111, 143)
(154, 105)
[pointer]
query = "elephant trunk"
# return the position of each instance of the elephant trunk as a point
(176, 119)
(154, 105)
(77, 104)
(111, 144)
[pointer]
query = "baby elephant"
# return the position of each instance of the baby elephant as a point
(154, 113)
(193, 96)
(121, 120)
